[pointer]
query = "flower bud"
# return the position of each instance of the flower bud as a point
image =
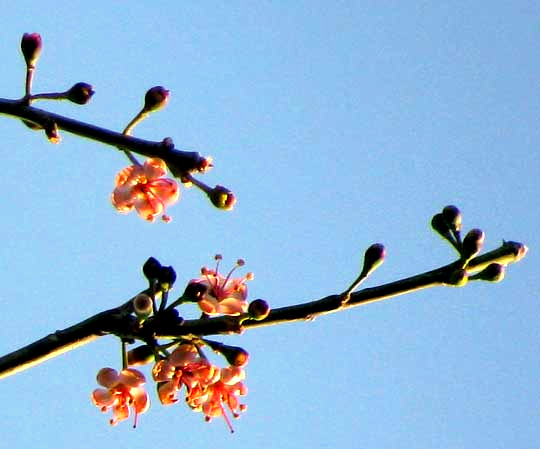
(31, 48)
(166, 277)
(440, 225)
(494, 272)
(142, 305)
(155, 98)
(458, 278)
(80, 93)
(472, 243)
(373, 258)
(51, 130)
(222, 198)
(194, 292)
(235, 355)
(258, 309)
(152, 268)
(452, 216)
(141, 355)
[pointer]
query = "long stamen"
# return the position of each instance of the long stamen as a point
(226, 417)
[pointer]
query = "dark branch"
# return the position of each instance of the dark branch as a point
(179, 162)
(120, 321)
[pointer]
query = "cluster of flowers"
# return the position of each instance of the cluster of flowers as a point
(208, 388)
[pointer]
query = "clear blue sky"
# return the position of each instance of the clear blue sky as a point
(337, 124)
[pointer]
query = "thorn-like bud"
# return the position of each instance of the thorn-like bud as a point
(452, 216)
(80, 93)
(373, 258)
(152, 269)
(458, 278)
(494, 272)
(155, 99)
(31, 48)
(222, 198)
(258, 309)
(141, 355)
(142, 305)
(472, 243)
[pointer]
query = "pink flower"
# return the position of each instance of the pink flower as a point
(145, 188)
(122, 391)
(185, 366)
(224, 295)
(225, 391)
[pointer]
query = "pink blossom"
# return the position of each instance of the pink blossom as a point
(121, 391)
(145, 188)
(224, 295)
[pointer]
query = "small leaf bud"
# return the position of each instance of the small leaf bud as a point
(141, 355)
(472, 243)
(258, 309)
(80, 93)
(452, 216)
(142, 305)
(494, 272)
(458, 278)
(155, 99)
(152, 268)
(31, 48)
(222, 198)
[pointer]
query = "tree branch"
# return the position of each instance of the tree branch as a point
(179, 162)
(121, 322)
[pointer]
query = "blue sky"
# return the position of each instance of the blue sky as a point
(337, 124)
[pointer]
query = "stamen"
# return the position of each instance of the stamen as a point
(225, 417)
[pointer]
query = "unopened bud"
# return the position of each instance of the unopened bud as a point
(166, 277)
(51, 130)
(80, 93)
(440, 225)
(222, 198)
(142, 305)
(458, 278)
(373, 258)
(141, 355)
(472, 243)
(194, 292)
(494, 272)
(155, 98)
(235, 355)
(258, 309)
(31, 48)
(151, 268)
(452, 216)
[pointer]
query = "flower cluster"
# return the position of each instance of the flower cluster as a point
(223, 295)
(145, 188)
(180, 366)
(208, 388)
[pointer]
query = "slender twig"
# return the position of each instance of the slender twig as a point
(119, 321)
(179, 162)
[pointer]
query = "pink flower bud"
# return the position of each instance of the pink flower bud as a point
(31, 48)
(472, 243)
(142, 305)
(155, 98)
